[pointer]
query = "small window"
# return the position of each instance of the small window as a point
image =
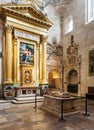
(89, 11)
(68, 25)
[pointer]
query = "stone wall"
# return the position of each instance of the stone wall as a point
(84, 37)
(1, 26)
(55, 30)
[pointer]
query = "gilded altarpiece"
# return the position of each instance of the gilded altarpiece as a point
(24, 49)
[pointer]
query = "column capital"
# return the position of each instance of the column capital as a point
(43, 38)
(9, 28)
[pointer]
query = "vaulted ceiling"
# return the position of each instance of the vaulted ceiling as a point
(61, 6)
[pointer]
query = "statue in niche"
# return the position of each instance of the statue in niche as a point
(54, 42)
(27, 77)
(72, 52)
(72, 59)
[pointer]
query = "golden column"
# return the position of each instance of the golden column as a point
(38, 64)
(40, 54)
(9, 54)
(15, 59)
(44, 73)
(4, 58)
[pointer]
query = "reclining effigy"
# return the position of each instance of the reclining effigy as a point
(57, 93)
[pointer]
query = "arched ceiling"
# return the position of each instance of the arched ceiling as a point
(61, 6)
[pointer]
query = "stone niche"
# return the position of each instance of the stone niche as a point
(72, 86)
(26, 75)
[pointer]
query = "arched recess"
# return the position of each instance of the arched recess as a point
(54, 79)
(72, 81)
(73, 77)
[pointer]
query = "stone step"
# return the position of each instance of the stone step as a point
(5, 101)
(28, 98)
(21, 100)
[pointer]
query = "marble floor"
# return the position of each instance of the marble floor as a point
(26, 117)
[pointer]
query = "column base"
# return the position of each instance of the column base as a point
(44, 82)
(8, 82)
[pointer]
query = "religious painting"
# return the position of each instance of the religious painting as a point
(26, 53)
(91, 62)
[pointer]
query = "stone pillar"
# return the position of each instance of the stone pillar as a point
(38, 64)
(44, 69)
(9, 54)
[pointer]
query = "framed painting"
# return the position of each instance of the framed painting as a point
(91, 62)
(26, 53)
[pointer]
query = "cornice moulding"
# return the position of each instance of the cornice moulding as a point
(13, 11)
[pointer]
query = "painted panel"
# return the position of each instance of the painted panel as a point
(26, 53)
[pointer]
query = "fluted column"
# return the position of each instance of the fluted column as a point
(44, 69)
(9, 54)
(37, 75)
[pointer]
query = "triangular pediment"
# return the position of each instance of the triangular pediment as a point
(25, 12)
